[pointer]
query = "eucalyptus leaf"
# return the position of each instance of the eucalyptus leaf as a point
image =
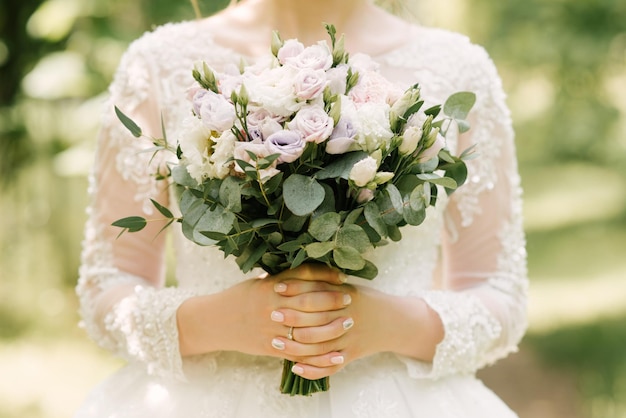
(131, 223)
(459, 105)
(328, 204)
(348, 258)
(128, 123)
(302, 194)
(342, 167)
(251, 256)
(463, 125)
(389, 214)
(298, 259)
(394, 233)
(369, 271)
(324, 226)
(181, 176)
(230, 194)
(374, 218)
(447, 182)
(290, 246)
(319, 249)
(294, 223)
(353, 216)
(353, 236)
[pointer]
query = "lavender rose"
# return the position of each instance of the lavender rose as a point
(216, 113)
(288, 144)
(342, 139)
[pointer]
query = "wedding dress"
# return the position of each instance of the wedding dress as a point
(467, 260)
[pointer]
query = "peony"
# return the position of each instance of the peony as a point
(288, 144)
(216, 113)
(313, 123)
(364, 171)
(374, 88)
(375, 130)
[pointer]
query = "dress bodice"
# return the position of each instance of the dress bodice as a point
(471, 245)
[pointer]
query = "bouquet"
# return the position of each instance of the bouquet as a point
(309, 155)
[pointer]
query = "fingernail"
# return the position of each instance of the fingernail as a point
(343, 277)
(347, 299)
(297, 369)
(277, 316)
(278, 344)
(348, 323)
(337, 360)
(280, 287)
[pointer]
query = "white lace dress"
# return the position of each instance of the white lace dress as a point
(467, 261)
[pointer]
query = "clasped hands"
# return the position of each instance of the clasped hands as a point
(314, 311)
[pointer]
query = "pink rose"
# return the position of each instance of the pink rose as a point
(290, 49)
(288, 144)
(373, 88)
(310, 84)
(313, 123)
(315, 57)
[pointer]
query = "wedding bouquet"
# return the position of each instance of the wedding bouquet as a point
(309, 155)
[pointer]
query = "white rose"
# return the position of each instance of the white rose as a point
(204, 156)
(364, 171)
(313, 123)
(410, 139)
(274, 91)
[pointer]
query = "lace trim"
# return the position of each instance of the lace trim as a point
(153, 311)
(470, 332)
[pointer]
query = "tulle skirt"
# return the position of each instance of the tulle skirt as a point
(232, 385)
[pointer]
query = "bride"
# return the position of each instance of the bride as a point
(449, 299)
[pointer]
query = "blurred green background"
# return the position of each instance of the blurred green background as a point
(563, 63)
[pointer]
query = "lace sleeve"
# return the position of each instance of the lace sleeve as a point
(483, 303)
(123, 304)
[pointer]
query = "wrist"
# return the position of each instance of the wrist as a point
(416, 328)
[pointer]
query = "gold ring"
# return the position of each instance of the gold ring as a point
(290, 333)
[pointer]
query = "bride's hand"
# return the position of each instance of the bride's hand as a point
(255, 316)
(379, 323)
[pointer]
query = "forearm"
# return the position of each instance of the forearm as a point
(209, 323)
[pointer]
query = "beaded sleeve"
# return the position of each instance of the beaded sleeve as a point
(482, 305)
(123, 304)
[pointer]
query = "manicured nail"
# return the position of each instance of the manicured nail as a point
(277, 316)
(343, 277)
(347, 299)
(337, 360)
(278, 344)
(348, 323)
(297, 369)
(280, 287)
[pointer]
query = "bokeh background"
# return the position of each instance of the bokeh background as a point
(563, 63)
